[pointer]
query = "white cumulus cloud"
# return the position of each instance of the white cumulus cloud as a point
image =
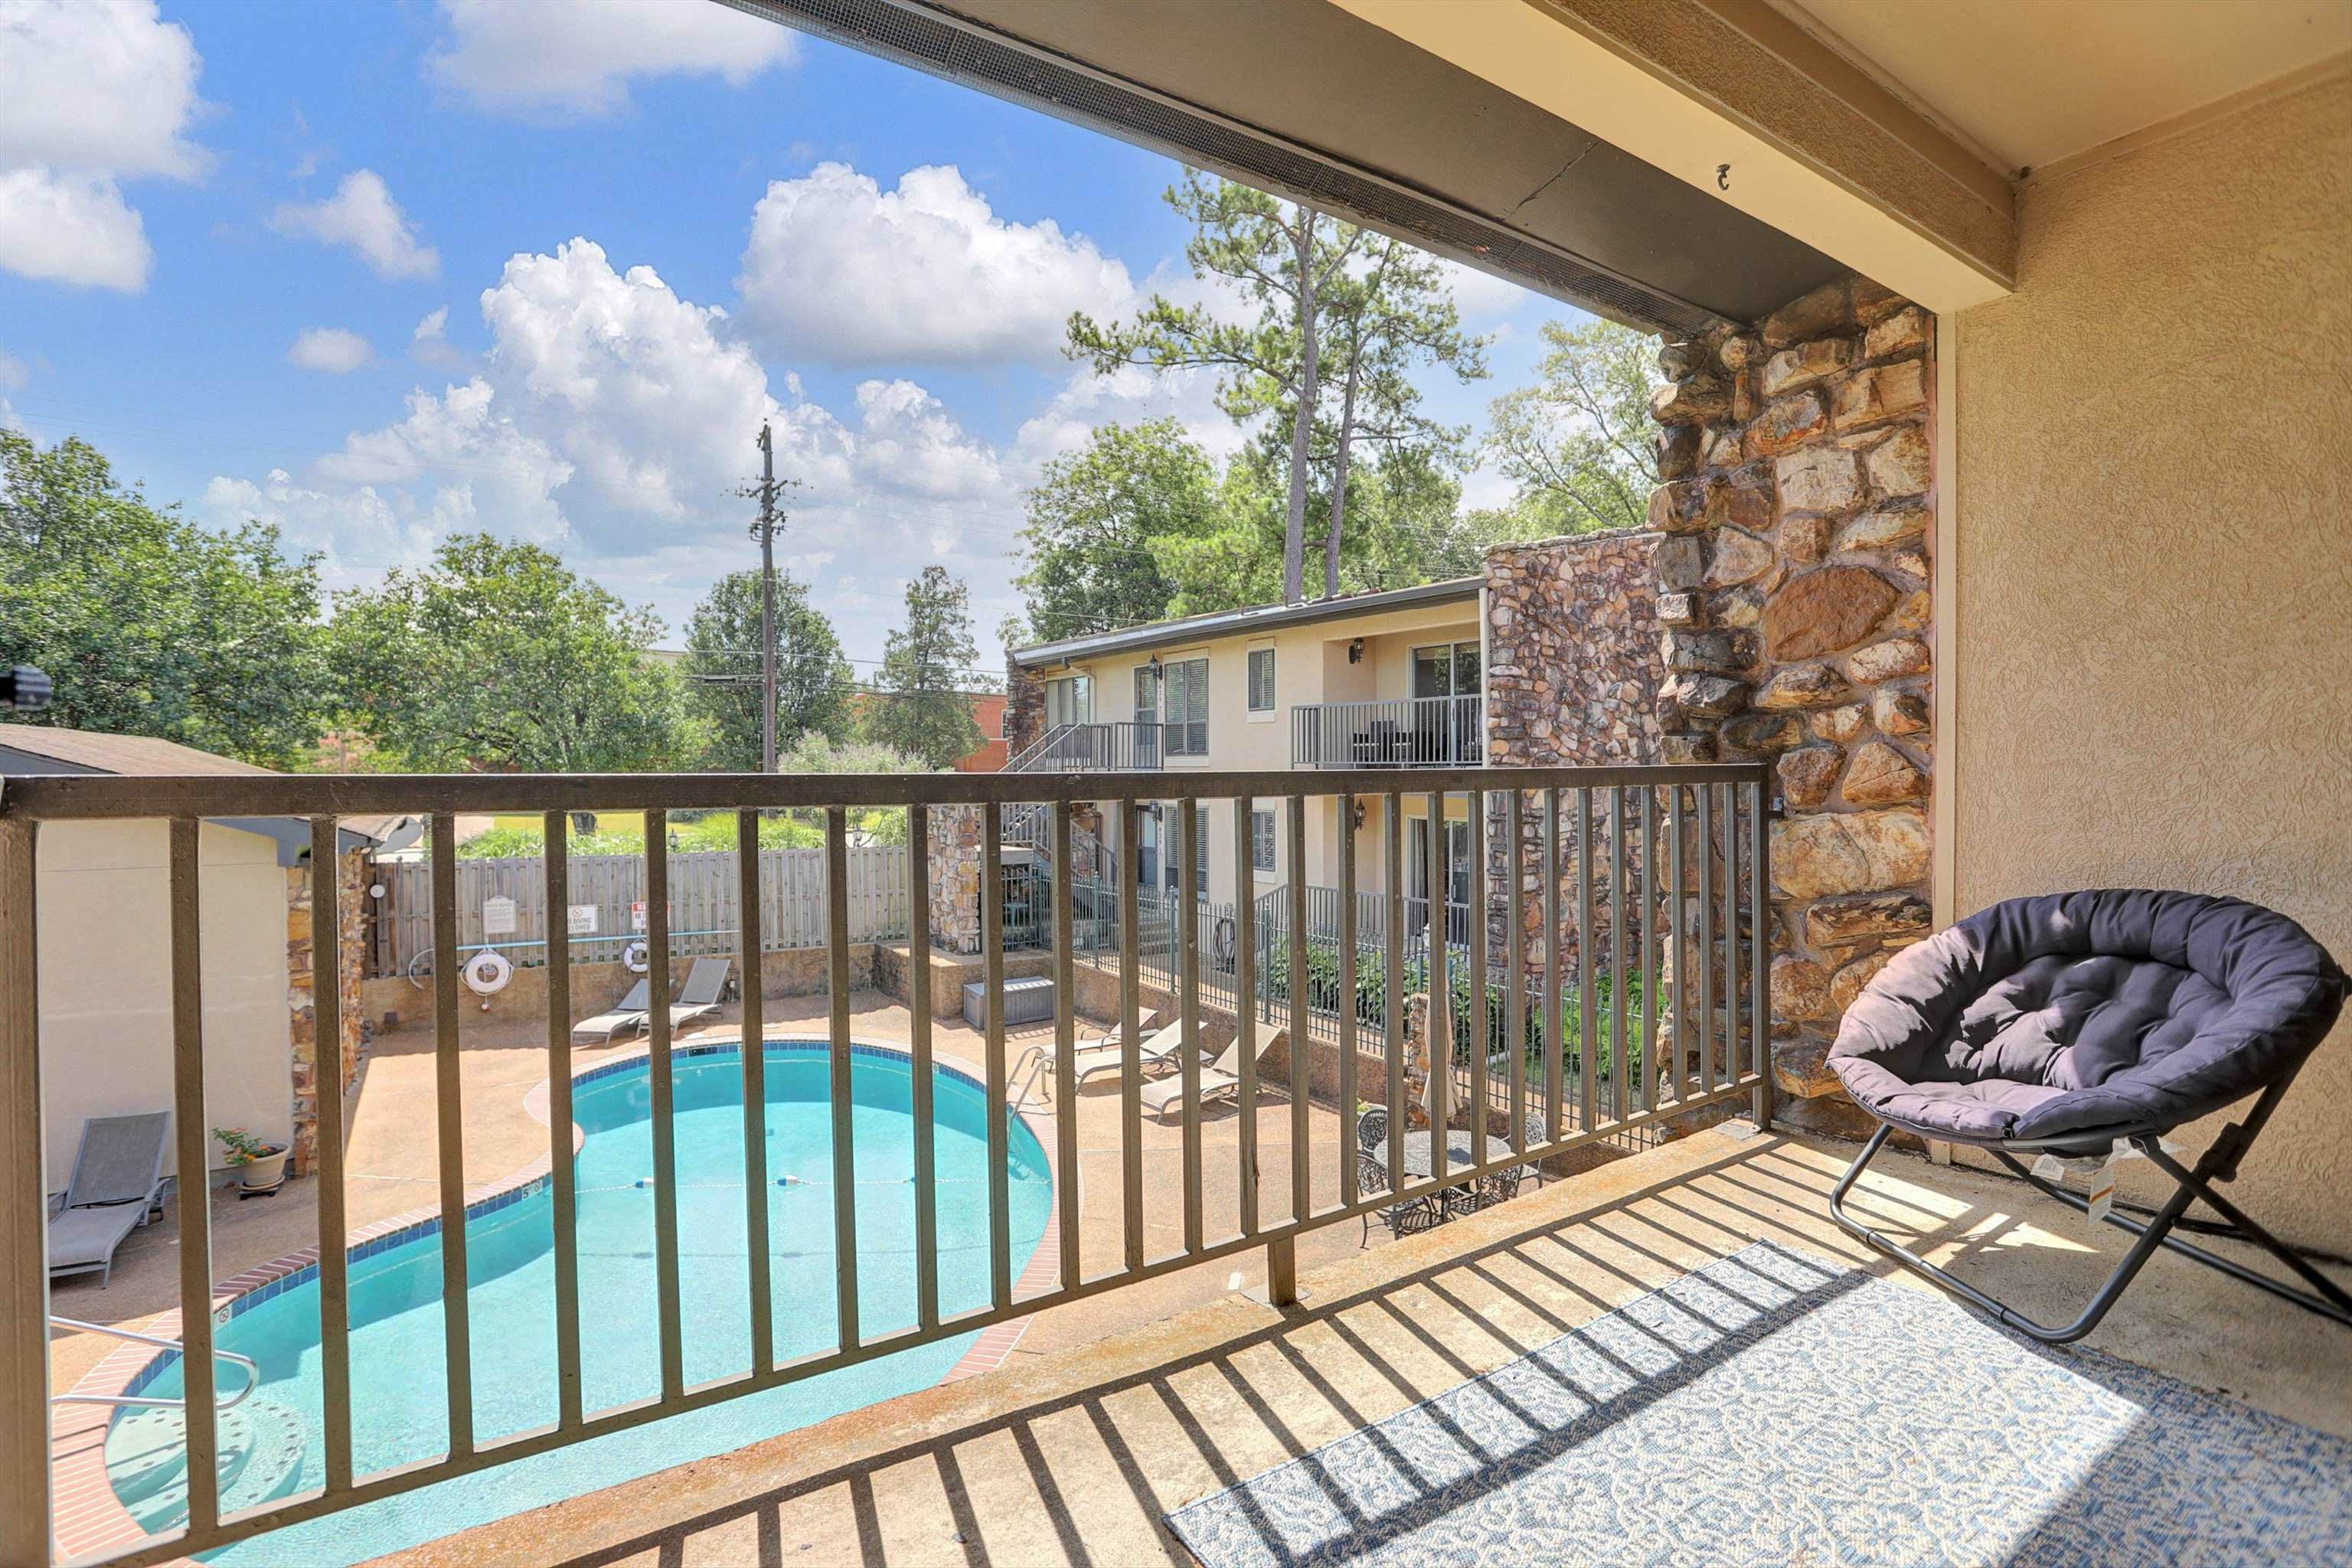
(430, 343)
(95, 92)
(362, 216)
(575, 62)
(338, 351)
(841, 270)
(76, 229)
(613, 419)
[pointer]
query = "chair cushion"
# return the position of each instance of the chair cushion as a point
(2089, 1011)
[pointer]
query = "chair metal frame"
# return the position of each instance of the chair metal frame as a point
(2218, 1163)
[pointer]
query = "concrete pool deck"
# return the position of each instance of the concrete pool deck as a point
(392, 1168)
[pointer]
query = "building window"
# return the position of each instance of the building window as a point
(1177, 701)
(1261, 680)
(1069, 700)
(1262, 841)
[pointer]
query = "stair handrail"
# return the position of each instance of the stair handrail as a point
(252, 1369)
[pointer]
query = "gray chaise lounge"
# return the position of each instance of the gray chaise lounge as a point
(117, 1175)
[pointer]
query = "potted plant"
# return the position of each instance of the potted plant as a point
(261, 1166)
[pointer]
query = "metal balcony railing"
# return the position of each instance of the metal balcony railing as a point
(1401, 733)
(1687, 844)
(1124, 746)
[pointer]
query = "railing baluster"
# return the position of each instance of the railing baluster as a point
(1649, 1033)
(326, 1110)
(919, 1036)
(1346, 1000)
(555, 865)
(1620, 1055)
(991, 955)
(1678, 1050)
(192, 1126)
(1302, 1017)
(752, 1052)
(1482, 1019)
(1587, 1024)
(1130, 1022)
(1556, 967)
(843, 1064)
(1514, 992)
(1066, 1046)
(1759, 958)
(24, 1211)
(1730, 935)
(1188, 926)
(1441, 992)
(450, 1123)
(1394, 980)
(1246, 1010)
(1705, 939)
(662, 1077)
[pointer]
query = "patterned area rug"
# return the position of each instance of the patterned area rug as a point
(1775, 1409)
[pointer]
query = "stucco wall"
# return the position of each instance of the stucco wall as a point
(2154, 669)
(106, 980)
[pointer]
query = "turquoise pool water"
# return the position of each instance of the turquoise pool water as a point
(398, 1362)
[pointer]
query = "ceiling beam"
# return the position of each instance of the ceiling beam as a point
(1731, 97)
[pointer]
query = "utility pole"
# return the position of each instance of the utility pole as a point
(767, 600)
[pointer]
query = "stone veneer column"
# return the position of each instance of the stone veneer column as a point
(1024, 707)
(301, 1000)
(1573, 679)
(1794, 588)
(955, 879)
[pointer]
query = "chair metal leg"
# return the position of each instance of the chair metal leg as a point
(2220, 1162)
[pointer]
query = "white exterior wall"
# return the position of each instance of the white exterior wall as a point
(106, 980)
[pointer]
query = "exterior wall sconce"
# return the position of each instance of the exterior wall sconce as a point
(1356, 654)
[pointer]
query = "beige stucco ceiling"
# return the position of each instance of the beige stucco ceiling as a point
(2033, 81)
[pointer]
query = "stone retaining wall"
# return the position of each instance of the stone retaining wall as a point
(1794, 590)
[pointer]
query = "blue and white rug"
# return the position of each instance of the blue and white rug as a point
(1775, 1409)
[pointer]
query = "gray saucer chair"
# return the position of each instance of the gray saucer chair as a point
(2067, 1023)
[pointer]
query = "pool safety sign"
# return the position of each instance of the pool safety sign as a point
(637, 915)
(498, 917)
(582, 920)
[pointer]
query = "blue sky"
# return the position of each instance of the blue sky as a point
(380, 271)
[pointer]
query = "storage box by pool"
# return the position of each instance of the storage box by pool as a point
(1027, 1001)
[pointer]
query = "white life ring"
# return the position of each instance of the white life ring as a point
(636, 958)
(487, 972)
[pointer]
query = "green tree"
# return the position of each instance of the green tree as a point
(813, 683)
(1093, 519)
(1391, 315)
(1342, 317)
(497, 657)
(928, 665)
(1577, 442)
(1402, 528)
(149, 624)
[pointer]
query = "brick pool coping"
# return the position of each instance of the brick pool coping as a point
(86, 1516)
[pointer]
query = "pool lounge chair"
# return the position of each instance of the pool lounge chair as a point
(1106, 1052)
(117, 1174)
(699, 997)
(1217, 1081)
(628, 1013)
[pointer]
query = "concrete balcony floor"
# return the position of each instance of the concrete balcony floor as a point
(1071, 1456)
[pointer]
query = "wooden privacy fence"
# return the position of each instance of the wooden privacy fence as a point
(606, 896)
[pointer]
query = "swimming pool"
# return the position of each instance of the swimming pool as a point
(398, 1414)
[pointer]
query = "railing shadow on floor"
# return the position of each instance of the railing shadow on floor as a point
(1362, 1356)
